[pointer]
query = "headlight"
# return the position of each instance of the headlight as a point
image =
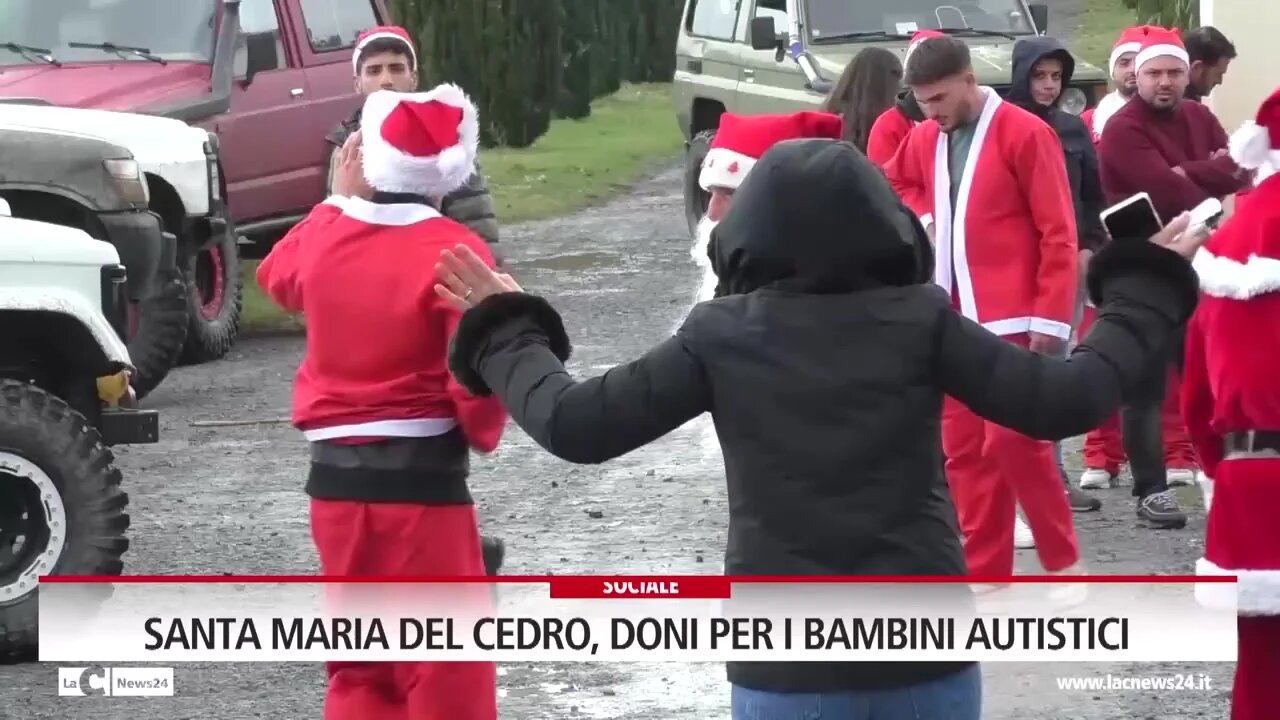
(1073, 101)
(128, 180)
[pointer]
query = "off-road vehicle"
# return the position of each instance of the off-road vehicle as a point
(779, 56)
(64, 394)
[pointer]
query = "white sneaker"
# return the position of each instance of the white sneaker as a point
(1177, 477)
(1022, 538)
(1097, 479)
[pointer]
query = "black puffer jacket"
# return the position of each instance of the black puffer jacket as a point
(1077, 143)
(824, 366)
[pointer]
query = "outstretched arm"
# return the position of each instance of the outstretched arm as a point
(514, 345)
(1145, 294)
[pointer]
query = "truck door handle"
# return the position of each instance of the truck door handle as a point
(695, 66)
(296, 92)
(749, 74)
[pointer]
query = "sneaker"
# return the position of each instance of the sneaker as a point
(1097, 479)
(1180, 477)
(1082, 501)
(493, 550)
(1162, 510)
(1068, 595)
(1022, 538)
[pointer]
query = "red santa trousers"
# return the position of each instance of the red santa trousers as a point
(1255, 694)
(398, 539)
(991, 470)
(1104, 445)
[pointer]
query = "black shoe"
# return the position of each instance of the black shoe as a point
(1082, 501)
(1161, 509)
(493, 550)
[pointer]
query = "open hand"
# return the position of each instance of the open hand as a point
(465, 279)
(1179, 237)
(348, 178)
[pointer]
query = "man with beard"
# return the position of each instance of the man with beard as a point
(384, 59)
(1122, 76)
(1211, 53)
(894, 124)
(989, 183)
(1176, 151)
(739, 142)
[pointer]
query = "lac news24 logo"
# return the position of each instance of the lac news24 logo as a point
(115, 682)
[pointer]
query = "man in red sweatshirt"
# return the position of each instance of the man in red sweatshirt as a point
(390, 428)
(1176, 151)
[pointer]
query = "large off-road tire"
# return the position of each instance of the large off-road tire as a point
(213, 300)
(62, 511)
(157, 331)
(695, 198)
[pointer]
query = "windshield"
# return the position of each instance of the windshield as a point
(169, 29)
(831, 18)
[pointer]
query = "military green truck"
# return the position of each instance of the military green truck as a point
(777, 56)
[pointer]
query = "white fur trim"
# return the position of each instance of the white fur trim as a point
(1226, 278)
(414, 428)
(1130, 47)
(715, 169)
(1206, 490)
(338, 201)
(1107, 106)
(388, 169)
(926, 220)
(392, 214)
(1250, 146)
(1256, 592)
(355, 55)
(1164, 50)
(1019, 325)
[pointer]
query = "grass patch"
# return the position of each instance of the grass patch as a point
(1100, 24)
(575, 164)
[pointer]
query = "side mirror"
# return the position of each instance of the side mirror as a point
(764, 34)
(260, 55)
(1040, 17)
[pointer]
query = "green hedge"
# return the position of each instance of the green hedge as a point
(525, 61)
(1182, 14)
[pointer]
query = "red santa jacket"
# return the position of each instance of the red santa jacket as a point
(887, 134)
(363, 275)
(1013, 241)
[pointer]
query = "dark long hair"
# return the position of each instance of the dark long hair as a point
(868, 87)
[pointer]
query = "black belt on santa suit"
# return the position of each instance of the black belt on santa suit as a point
(1251, 444)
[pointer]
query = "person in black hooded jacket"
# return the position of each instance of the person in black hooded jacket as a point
(1042, 69)
(823, 362)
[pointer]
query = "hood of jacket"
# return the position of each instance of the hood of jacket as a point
(908, 106)
(1026, 53)
(816, 216)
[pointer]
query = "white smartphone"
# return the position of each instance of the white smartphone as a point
(1133, 218)
(1207, 214)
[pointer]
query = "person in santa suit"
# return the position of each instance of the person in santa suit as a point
(390, 428)
(1231, 400)
(892, 127)
(738, 144)
(1123, 77)
(988, 180)
(1175, 150)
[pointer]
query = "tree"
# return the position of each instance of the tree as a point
(1181, 14)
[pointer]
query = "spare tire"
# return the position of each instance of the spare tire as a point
(214, 299)
(695, 198)
(62, 511)
(157, 331)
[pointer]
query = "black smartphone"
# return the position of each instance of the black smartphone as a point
(1134, 218)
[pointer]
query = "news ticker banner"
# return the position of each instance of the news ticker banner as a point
(630, 619)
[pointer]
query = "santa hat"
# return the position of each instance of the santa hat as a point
(918, 37)
(423, 143)
(383, 32)
(1130, 41)
(1257, 143)
(741, 140)
(1159, 42)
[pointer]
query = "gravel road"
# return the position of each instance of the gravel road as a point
(229, 500)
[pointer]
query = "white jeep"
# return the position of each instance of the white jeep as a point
(64, 399)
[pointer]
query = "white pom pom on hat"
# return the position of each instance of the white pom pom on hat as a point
(1257, 143)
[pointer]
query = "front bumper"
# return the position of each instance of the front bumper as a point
(144, 247)
(129, 426)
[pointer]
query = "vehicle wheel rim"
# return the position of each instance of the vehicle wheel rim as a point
(33, 528)
(209, 282)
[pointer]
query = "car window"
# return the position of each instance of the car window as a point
(258, 20)
(830, 18)
(776, 9)
(713, 18)
(335, 24)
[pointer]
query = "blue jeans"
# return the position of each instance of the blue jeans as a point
(954, 697)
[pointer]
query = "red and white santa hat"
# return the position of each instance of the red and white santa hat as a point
(1257, 143)
(423, 143)
(1130, 41)
(918, 37)
(383, 32)
(743, 139)
(1160, 42)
